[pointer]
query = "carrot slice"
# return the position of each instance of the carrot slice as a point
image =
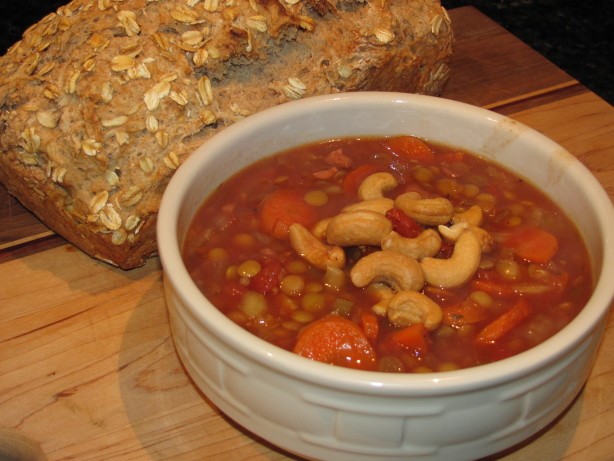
(463, 314)
(281, 209)
(554, 283)
(411, 148)
(412, 337)
(354, 178)
(504, 323)
(453, 156)
(493, 287)
(336, 340)
(370, 325)
(533, 244)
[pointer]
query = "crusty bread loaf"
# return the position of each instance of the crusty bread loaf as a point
(101, 101)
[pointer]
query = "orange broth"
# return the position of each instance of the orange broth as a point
(244, 264)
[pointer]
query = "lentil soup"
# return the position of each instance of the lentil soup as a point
(390, 254)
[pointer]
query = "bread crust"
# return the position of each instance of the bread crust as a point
(103, 100)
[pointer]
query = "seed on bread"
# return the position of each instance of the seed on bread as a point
(127, 20)
(383, 35)
(171, 160)
(295, 88)
(110, 218)
(98, 201)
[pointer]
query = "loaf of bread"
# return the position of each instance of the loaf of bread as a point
(103, 100)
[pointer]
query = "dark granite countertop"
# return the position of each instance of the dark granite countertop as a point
(575, 35)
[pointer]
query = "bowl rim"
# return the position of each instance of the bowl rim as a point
(288, 363)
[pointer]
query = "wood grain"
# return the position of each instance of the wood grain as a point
(18, 225)
(584, 125)
(87, 364)
(89, 347)
(492, 68)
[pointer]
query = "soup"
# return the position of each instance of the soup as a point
(389, 254)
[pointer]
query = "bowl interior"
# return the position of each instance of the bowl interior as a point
(507, 142)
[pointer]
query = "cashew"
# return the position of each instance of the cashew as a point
(487, 242)
(376, 185)
(334, 278)
(379, 205)
(472, 215)
(458, 268)
(319, 228)
(428, 211)
(428, 243)
(453, 232)
(409, 307)
(358, 228)
(384, 294)
(313, 250)
(398, 271)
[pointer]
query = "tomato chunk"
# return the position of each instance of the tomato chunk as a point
(403, 224)
(268, 279)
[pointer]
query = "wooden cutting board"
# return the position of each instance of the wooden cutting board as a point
(88, 368)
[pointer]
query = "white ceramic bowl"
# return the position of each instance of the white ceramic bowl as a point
(331, 413)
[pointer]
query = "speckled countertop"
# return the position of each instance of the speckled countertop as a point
(572, 34)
